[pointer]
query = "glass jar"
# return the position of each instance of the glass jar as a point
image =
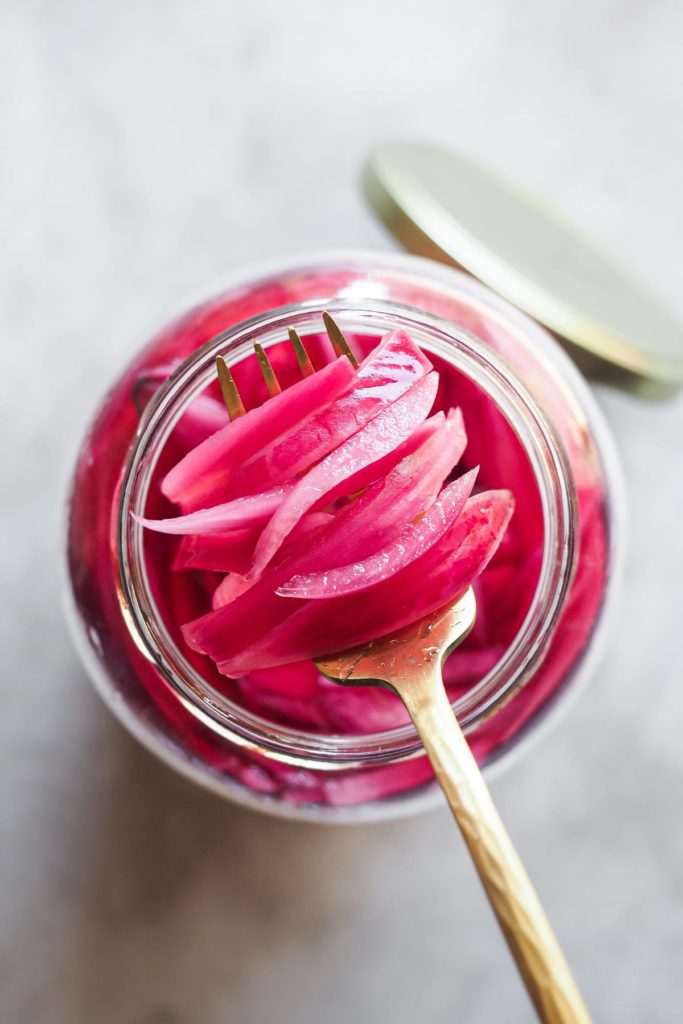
(531, 407)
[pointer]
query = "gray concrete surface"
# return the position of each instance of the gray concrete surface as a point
(147, 148)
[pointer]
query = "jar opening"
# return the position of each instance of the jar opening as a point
(475, 361)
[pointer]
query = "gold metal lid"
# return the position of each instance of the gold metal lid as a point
(438, 204)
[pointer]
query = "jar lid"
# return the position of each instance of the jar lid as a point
(439, 204)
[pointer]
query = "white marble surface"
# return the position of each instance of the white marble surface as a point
(146, 149)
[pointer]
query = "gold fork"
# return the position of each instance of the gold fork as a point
(409, 662)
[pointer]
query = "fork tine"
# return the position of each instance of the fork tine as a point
(339, 342)
(305, 364)
(231, 396)
(267, 371)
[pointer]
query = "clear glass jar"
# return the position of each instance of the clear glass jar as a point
(535, 409)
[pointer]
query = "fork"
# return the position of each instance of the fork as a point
(409, 662)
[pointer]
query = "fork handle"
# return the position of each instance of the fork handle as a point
(540, 960)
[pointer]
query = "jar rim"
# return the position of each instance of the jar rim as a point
(538, 438)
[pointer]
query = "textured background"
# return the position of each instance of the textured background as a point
(148, 148)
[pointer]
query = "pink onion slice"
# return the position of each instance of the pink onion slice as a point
(443, 572)
(455, 441)
(217, 552)
(229, 589)
(380, 436)
(379, 515)
(205, 471)
(413, 542)
(234, 584)
(387, 373)
(253, 510)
